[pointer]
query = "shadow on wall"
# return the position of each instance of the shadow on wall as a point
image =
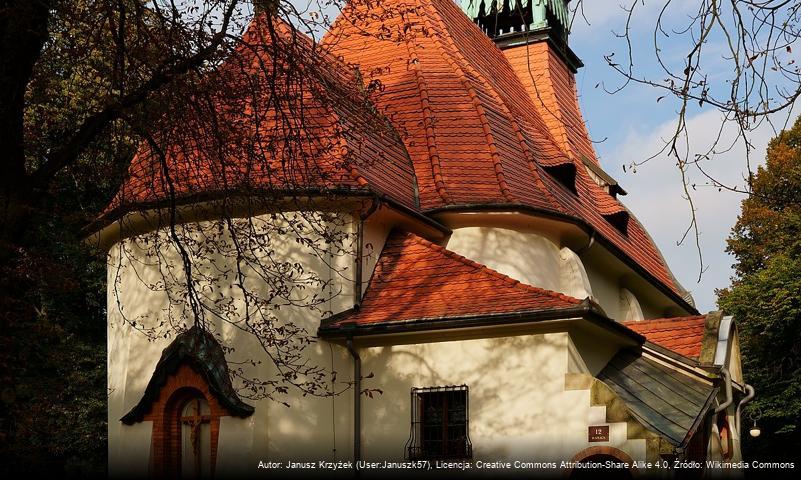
(142, 272)
(517, 401)
(527, 257)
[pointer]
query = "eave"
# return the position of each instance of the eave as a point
(588, 229)
(587, 311)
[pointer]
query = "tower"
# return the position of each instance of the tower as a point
(512, 23)
(533, 35)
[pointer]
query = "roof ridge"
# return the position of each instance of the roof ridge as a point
(342, 143)
(425, 107)
(531, 161)
(542, 128)
(458, 69)
(558, 114)
(653, 322)
(487, 270)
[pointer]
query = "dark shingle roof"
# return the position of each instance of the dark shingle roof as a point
(202, 352)
(664, 400)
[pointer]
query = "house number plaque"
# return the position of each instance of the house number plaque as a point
(599, 434)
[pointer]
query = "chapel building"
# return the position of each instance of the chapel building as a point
(499, 301)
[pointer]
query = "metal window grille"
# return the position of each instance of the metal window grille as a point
(440, 427)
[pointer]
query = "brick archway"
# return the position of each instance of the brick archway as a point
(184, 384)
(603, 451)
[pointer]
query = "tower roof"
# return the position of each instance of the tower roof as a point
(473, 132)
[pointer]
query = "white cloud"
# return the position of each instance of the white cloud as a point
(657, 199)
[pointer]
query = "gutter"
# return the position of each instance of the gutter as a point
(588, 229)
(586, 309)
(357, 401)
(676, 360)
(118, 213)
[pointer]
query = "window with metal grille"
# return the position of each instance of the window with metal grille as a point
(439, 423)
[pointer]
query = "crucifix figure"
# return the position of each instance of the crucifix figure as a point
(193, 416)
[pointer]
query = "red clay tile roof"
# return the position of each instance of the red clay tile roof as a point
(552, 86)
(339, 143)
(418, 280)
(472, 130)
(469, 130)
(683, 335)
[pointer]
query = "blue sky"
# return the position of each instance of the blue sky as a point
(631, 126)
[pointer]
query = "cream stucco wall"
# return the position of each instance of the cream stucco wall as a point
(320, 427)
(527, 256)
(536, 258)
(519, 405)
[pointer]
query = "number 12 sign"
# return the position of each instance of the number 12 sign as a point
(599, 433)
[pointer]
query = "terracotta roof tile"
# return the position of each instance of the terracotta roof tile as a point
(683, 335)
(417, 280)
(339, 143)
(456, 126)
(552, 86)
(448, 88)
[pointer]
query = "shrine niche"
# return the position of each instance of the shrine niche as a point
(188, 393)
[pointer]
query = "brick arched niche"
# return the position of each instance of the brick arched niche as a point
(192, 372)
(182, 387)
(600, 453)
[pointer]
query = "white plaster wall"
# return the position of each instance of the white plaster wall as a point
(629, 306)
(735, 358)
(573, 279)
(605, 289)
(535, 259)
(589, 353)
(320, 427)
(519, 408)
(525, 256)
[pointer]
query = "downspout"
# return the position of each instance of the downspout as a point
(357, 361)
(729, 397)
(357, 288)
(357, 401)
(749, 396)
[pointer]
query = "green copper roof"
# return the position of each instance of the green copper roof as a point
(664, 400)
(558, 9)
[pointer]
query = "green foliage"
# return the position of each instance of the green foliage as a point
(53, 348)
(765, 297)
(52, 286)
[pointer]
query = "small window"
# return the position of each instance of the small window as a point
(565, 174)
(603, 179)
(620, 221)
(439, 424)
